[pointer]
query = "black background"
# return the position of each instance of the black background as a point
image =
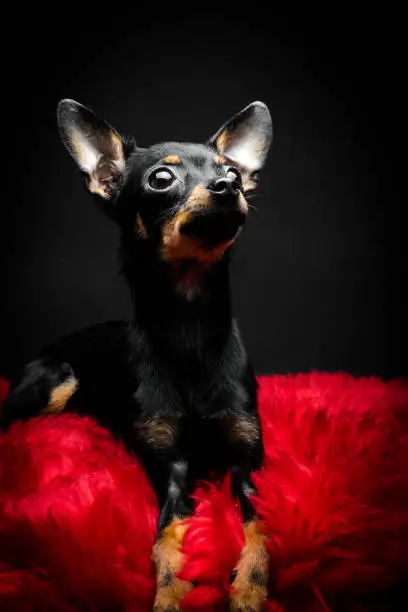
(319, 277)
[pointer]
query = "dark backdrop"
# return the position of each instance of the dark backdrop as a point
(319, 275)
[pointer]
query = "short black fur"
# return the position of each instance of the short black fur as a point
(176, 383)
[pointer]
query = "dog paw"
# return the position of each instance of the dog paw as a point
(168, 559)
(251, 600)
(250, 577)
(168, 597)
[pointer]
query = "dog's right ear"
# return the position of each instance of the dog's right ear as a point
(95, 146)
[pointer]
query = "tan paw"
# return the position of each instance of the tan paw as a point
(250, 599)
(168, 598)
(249, 588)
(168, 560)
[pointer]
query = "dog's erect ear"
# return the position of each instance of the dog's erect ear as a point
(244, 141)
(96, 147)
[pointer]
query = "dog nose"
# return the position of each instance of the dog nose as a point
(224, 186)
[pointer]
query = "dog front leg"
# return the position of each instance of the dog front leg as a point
(44, 388)
(172, 525)
(250, 577)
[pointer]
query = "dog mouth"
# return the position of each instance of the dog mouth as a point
(214, 228)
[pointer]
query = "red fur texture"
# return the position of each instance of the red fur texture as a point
(77, 516)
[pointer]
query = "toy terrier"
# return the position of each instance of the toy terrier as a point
(176, 383)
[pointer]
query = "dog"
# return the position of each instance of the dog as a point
(176, 383)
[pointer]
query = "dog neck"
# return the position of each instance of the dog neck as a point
(160, 306)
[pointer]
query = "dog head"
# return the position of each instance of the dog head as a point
(186, 200)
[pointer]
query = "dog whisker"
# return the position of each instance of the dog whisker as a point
(165, 215)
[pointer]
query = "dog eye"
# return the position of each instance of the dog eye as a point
(161, 179)
(233, 173)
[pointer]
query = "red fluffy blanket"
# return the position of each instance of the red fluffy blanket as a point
(77, 515)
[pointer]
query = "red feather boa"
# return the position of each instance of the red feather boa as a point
(77, 516)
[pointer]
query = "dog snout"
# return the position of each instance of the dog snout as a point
(225, 186)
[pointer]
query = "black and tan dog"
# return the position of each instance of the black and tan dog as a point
(176, 383)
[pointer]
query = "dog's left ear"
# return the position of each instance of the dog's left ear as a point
(244, 141)
(95, 146)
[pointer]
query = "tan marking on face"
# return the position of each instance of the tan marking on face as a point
(249, 589)
(178, 248)
(158, 433)
(219, 160)
(60, 395)
(172, 160)
(200, 198)
(140, 227)
(168, 559)
(242, 203)
(175, 245)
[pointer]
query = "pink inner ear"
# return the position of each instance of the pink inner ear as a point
(246, 149)
(246, 138)
(104, 178)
